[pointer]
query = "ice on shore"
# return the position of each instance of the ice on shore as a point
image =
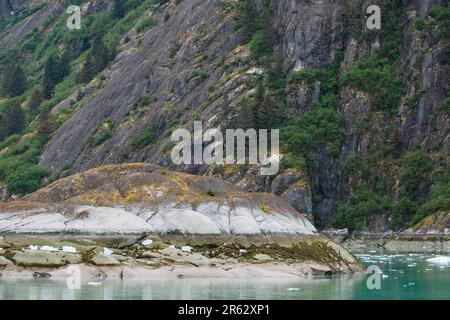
(107, 252)
(439, 260)
(186, 249)
(33, 248)
(147, 242)
(69, 249)
(49, 249)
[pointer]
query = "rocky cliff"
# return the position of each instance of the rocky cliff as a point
(363, 114)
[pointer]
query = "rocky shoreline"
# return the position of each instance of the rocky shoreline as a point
(185, 257)
(398, 242)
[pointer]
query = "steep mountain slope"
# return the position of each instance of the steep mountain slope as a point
(364, 115)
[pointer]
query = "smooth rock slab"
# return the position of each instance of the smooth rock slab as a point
(45, 259)
(104, 260)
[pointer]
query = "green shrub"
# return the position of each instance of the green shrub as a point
(25, 179)
(377, 78)
(144, 139)
(146, 24)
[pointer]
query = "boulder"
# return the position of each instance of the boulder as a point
(28, 258)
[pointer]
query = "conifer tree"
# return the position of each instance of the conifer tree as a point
(45, 126)
(15, 82)
(50, 77)
(118, 9)
(35, 100)
(14, 119)
(88, 71)
(248, 19)
(100, 55)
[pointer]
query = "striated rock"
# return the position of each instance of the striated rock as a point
(143, 198)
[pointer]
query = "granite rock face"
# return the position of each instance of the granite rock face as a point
(193, 65)
(146, 199)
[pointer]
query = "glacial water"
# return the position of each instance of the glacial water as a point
(404, 276)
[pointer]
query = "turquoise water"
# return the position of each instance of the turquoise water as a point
(405, 276)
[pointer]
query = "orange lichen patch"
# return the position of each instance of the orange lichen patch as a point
(437, 221)
(21, 205)
(303, 183)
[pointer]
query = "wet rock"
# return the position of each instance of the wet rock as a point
(44, 259)
(4, 262)
(41, 275)
(262, 257)
(104, 260)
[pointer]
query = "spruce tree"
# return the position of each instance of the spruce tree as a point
(45, 126)
(87, 73)
(50, 77)
(248, 19)
(118, 9)
(14, 119)
(15, 82)
(56, 69)
(100, 55)
(35, 100)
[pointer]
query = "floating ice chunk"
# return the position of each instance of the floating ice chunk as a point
(293, 289)
(94, 284)
(49, 249)
(186, 249)
(147, 242)
(33, 248)
(107, 252)
(412, 265)
(385, 276)
(439, 260)
(69, 249)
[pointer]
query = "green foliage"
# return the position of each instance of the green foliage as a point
(441, 18)
(263, 39)
(445, 105)
(198, 74)
(18, 166)
(25, 179)
(146, 24)
(144, 139)
(320, 127)
(247, 19)
(377, 78)
(14, 120)
(416, 167)
(118, 9)
(15, 83)
(361, 208)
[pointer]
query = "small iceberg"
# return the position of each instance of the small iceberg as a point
(186, 249)
(69, 249)
(439, 260)
(94, 284)
(147, 242)
(49, 249)
(293, 289)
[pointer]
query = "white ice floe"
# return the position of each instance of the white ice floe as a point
(147, 242)
(49, 249)
(33, 248)
(107, 252)
(293, 289)
(94, 284)
(439, 260)
(186, 249)
(68, 249)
